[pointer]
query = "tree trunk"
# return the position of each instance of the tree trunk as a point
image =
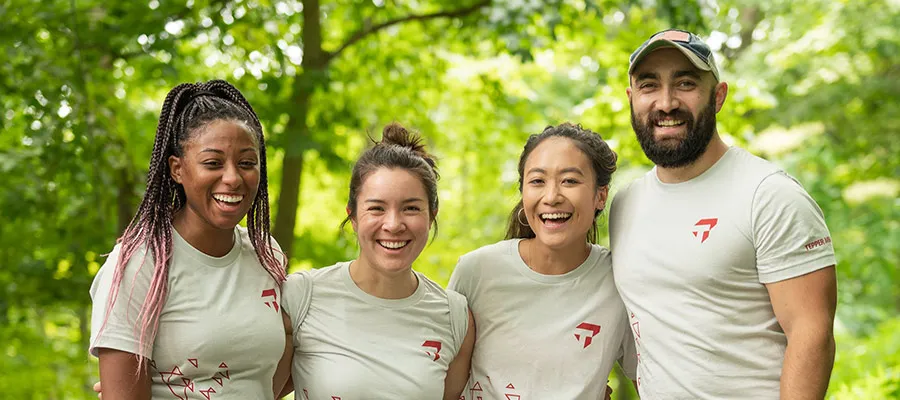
(297, 133)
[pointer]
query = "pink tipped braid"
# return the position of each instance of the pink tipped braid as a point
(152, 224)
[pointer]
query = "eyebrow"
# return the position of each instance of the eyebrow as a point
(217, 151)
(646, 75)
(409, 200)
(689, 73)
(678, 74)
(563, 171)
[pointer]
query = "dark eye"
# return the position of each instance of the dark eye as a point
(687, 84)
(212, 164)
(413, 208)
(248, 164)
(571, 181)
(536, 181)
(375, 208)
(647, 85)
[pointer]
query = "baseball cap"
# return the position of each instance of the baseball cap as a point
(688, 43)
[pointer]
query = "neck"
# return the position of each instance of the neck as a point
(714, 151)
(212, 242)
(382, 285)
(553, 261)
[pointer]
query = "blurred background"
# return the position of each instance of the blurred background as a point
(814, 86)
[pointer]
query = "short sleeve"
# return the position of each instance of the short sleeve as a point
(789, 230)
(459, 318)
(628, 358)
(461, 280)
(120, 327)
(297, 294)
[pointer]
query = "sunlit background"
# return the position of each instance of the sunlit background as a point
(814, 86)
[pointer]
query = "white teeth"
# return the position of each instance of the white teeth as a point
(669, 122)
(228, 198)
(392, 245)
(556, 215)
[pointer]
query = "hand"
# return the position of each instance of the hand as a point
(608, 392)
(100, 395)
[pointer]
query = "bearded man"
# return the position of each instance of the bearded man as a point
(723, 260)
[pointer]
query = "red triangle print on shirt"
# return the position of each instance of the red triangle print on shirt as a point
(703, 227)
(510, 386)
(207, 392)
(194, 362)
(223, 365)
(188, 383)
(226, 374)
(218, 380)
(477, 386)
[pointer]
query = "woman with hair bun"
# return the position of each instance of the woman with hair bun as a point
(373, 327)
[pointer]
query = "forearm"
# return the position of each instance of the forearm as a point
(808, 361)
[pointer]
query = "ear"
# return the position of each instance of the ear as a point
(600, 198)
(628, 91)
(175, 168)
(433, 217)
(721, 92)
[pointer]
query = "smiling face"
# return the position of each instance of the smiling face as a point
(673, 108)
(559, 194)
(219, 171)
(392, 220)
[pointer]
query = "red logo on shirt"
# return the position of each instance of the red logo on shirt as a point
(586, 330)
(271, 293)
(434, 345)
(703, 227)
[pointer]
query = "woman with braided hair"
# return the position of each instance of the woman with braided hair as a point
(187, 304)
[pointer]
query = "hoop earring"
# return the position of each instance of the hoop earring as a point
(519, 217)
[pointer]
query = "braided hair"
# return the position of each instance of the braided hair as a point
(186, 110)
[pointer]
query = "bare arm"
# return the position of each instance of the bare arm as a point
(282, 384)
(458, 372)
(805, 308)
(120, 378)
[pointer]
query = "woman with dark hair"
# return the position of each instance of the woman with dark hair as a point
(373, 327)
(550, 321)
(187, 304)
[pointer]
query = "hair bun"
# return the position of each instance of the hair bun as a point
(395, 134)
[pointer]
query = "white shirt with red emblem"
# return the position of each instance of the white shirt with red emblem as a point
(350, 345)
(692, 260)
(220, 331)
(542, 336)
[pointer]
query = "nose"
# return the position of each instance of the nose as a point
(231, 176)
(668, 101)
(393, 222)
(552, 194)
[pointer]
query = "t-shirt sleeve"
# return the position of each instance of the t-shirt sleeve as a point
(461, 279)
(628, 358)
(297, 294)
(459, 318)
(120, 328)
(789, 230)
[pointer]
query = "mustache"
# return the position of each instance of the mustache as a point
(679, 114)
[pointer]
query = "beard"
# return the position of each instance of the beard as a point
(674, 153)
